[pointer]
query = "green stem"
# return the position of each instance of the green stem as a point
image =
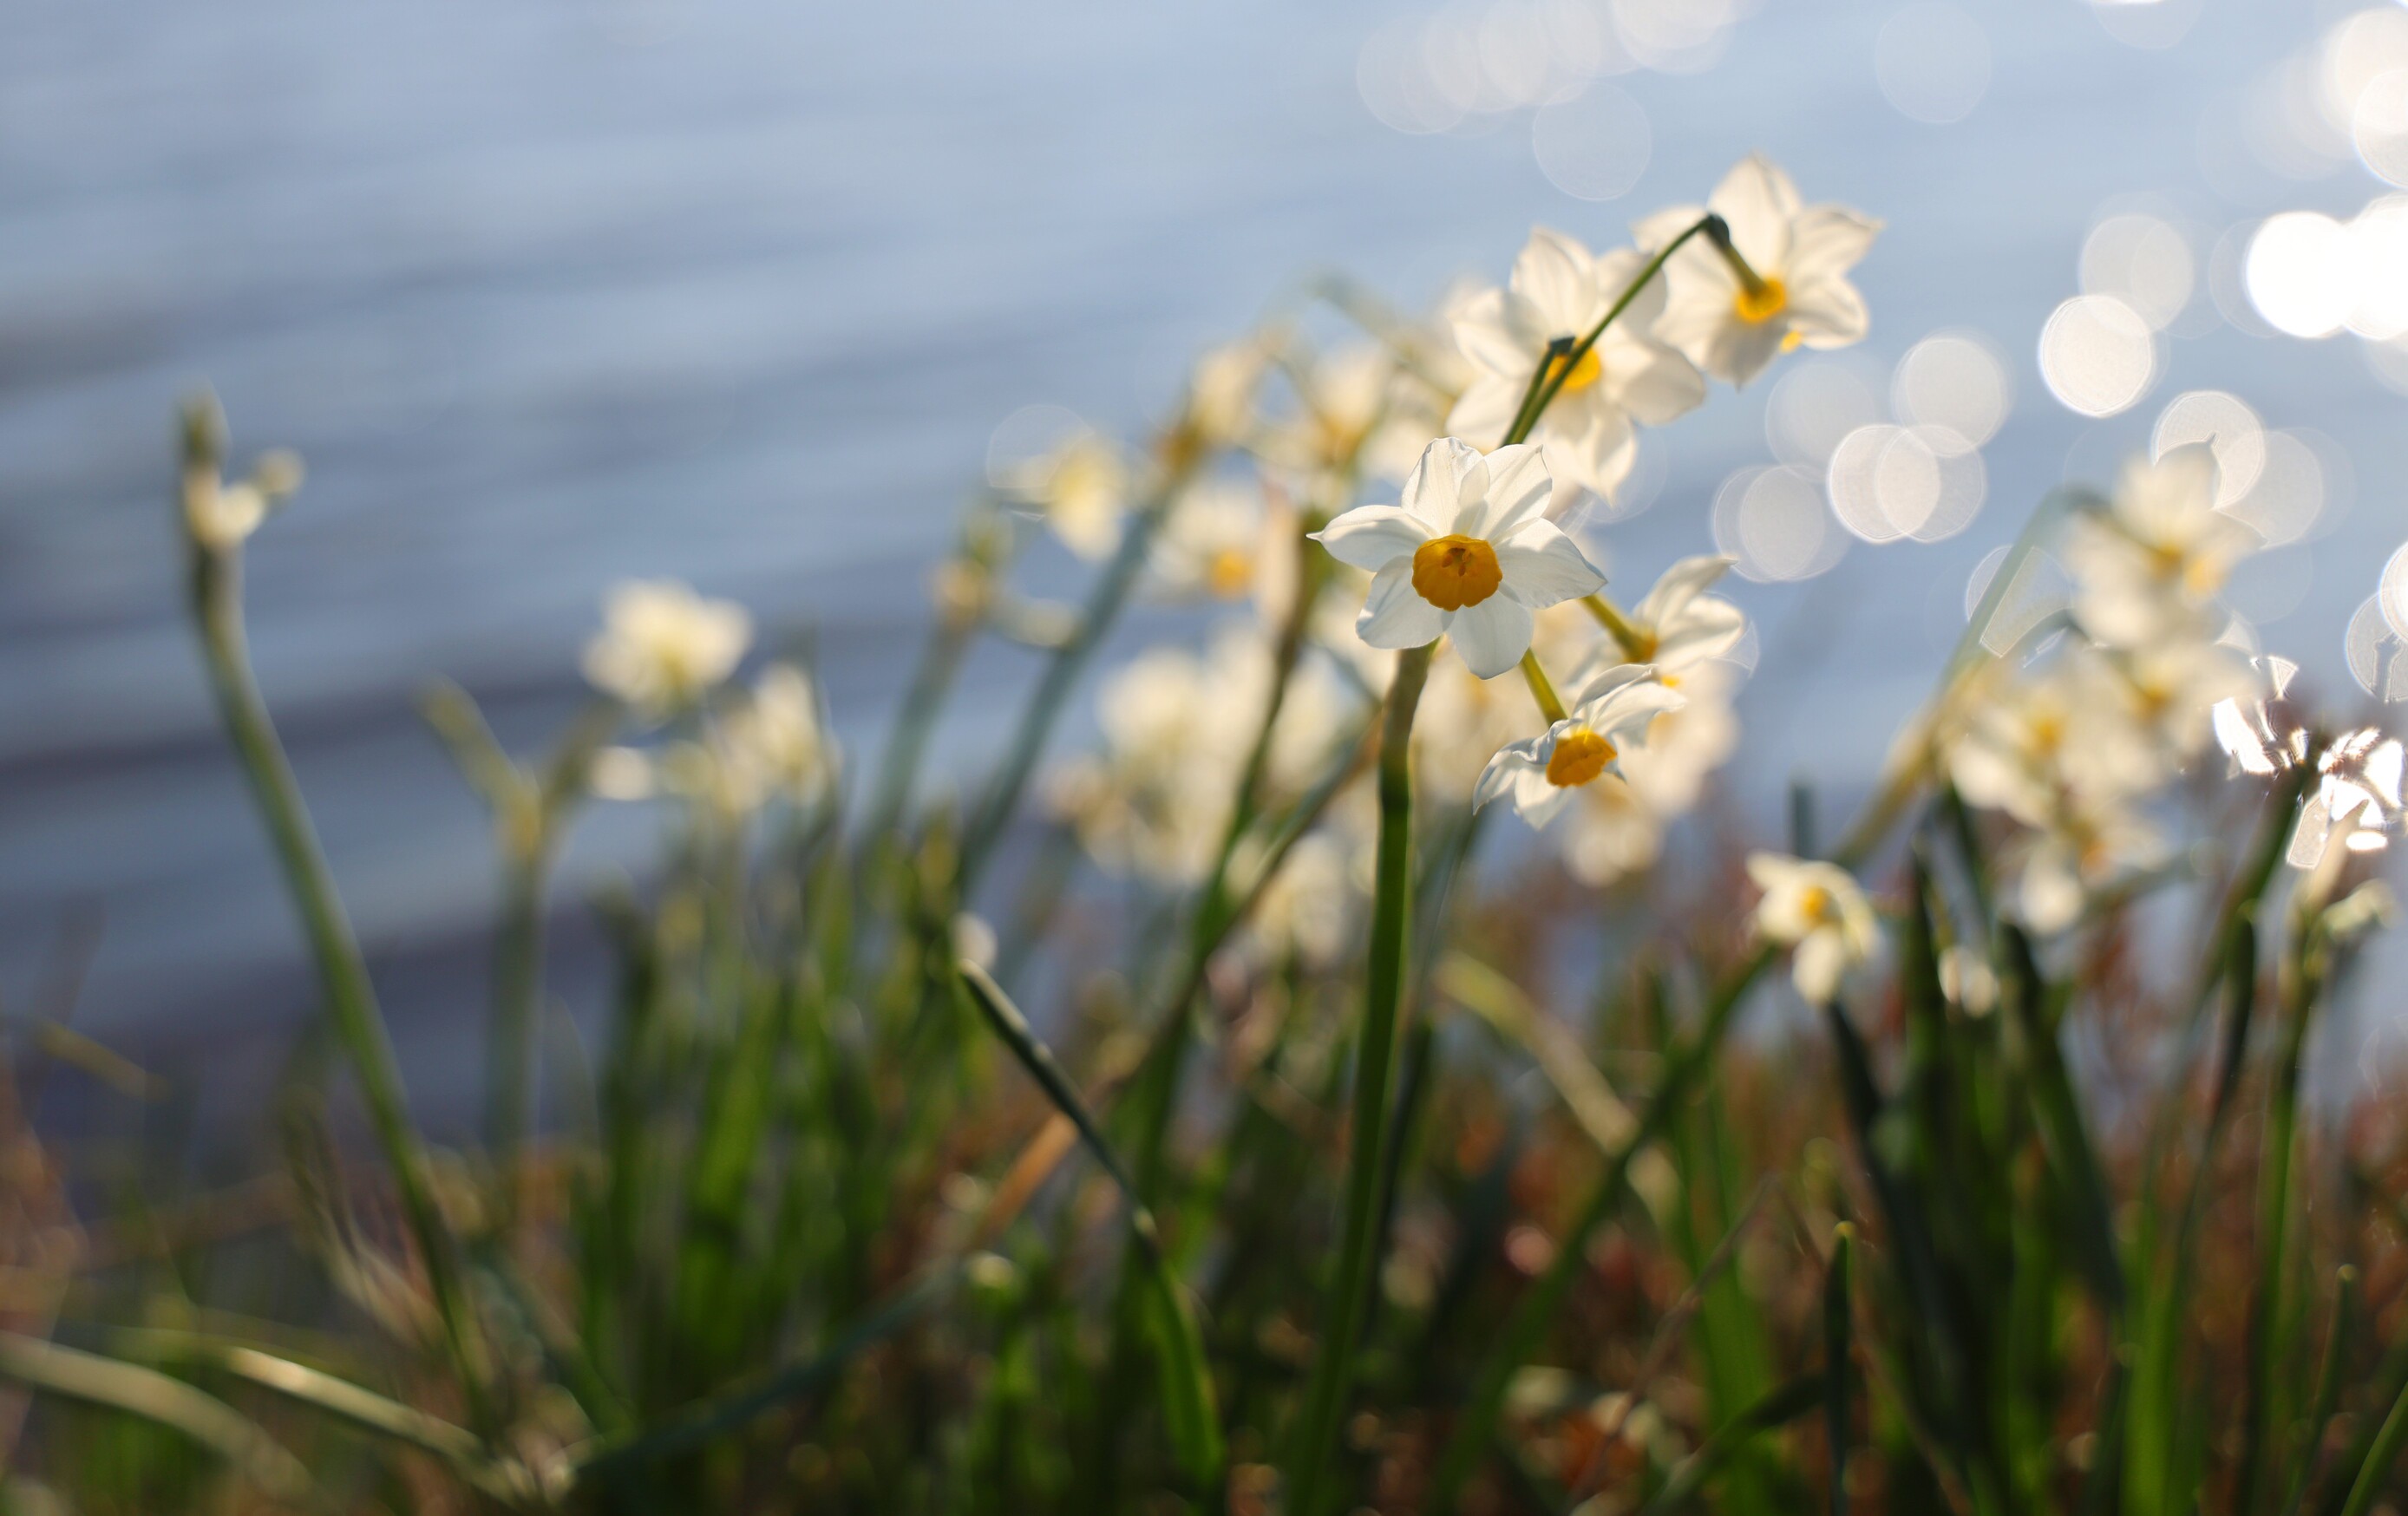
(215, 580)
(1357, 1268)
(1636, 645)
(1037, 721)
(1542, 689)
(1544, 393)
(940, 663)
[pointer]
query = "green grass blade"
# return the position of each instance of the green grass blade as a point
(1782, 1405)
(2328, 1389)
(1188, 1410)
(1836, 1334)
(145, 1392)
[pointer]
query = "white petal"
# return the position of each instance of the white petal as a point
(1491, 635)
(1616, 271)
(1821, 959)
(1710, 628)
(1827, 313)
(1826, 240)
(1740, 351)
(1543, 567)
(1681, 583)
(1553, 275)
(1518, 489)
(1487, 409)
(1542, 801)
(1653, 382)
(1759, 201)
(1490, 334)
(1394, 615)
(1504, 767)
(1373, 537)
(1595, 440)
(1432, 491)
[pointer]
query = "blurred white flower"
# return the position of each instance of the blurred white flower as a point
(1968, 980)
(1306, 910)
(662, 647)
(1818, 910)
(1540, 774)
(1679, 626)
(2089, 844)
(1800, 256)
(1467, 555)
(1081, 488)
(1221, 542)
(776, 745)
(2151, 564)
(1559, 290)
(1178, 729)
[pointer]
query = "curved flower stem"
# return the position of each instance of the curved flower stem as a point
(215, 582)
(1718, 233)
(1542, 689)
(1549, 380)
(1349, 1289)
(1633, 642)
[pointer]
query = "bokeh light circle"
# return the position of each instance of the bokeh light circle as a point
(2144, 261)
(2378, 658)
(2097, 354)
(2391, 598)
(1595, 146)
(1814, 405)
(1772, 520)
(1954, 379)
(2289, 495)
(2304, 273)
(1933, 62)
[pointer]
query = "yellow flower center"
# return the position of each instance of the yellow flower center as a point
(1452, 572)
(1815, 903)
(1229, 574)
(1761, 304)
(2047, 732)
(1580, 756)
(1585, 373)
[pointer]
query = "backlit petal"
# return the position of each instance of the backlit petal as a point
(1543, 567)
(1491, 635)
(1394, 616)
(1373, 537)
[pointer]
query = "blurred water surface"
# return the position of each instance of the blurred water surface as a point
(553, 293)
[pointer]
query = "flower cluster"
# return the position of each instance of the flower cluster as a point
(2074, 743)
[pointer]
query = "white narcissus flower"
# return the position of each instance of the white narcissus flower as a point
(1819, 911)
(1221, 542)
(1083, 488)
(1560, 290)
(662, 646)
(2152, 563)
(1800, 256)
(2088, 846)
(2356, 797)
(1467, 556)
(1541, 774)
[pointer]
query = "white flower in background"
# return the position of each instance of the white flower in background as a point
(1560, 290)
(1610, 834)
(776, 743)
(2066, 730)
(1308, 908)
(1679, 626)
(1968, 980)
(1220, 389)
(1818, 910)
(1220, 542)
(1178, 727)
(2151, 564)
(2170, 688)
(1800, 256)
(662, 647)
(1541, 774)
(1081, 488)
(2089, 844)
(1467, 555)
(2357, 798)
(1668, 769)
